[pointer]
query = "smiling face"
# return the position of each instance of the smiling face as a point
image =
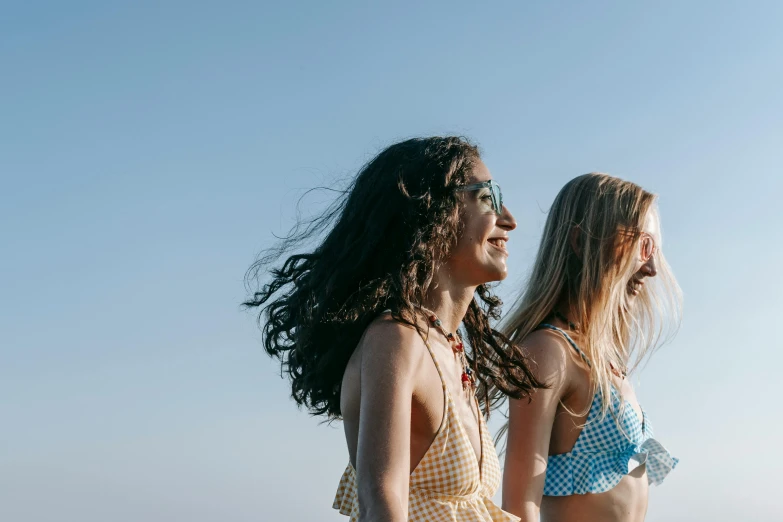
(480, 254)
(644, 251)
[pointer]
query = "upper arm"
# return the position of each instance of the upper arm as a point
(530, 428)
(391, 353)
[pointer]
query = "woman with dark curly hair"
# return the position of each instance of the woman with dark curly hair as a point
(366, 327)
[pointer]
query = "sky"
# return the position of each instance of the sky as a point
(150, 150)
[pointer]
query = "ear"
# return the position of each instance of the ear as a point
(575, 240)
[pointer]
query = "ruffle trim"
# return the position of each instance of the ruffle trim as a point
(346, 499)
(425, 505)
(581, 473)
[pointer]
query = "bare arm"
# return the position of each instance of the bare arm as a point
(390, 356)
(530, 428)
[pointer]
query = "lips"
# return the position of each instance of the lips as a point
(635, 286)
(498, 243)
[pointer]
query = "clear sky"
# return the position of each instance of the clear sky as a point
(149, 150)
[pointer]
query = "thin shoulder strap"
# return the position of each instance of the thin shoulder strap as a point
(567, 338)
(432, 355)
(437, 366)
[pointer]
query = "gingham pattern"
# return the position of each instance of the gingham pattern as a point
(448, 484)
(604, 449)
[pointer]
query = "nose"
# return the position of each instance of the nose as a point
(506, 220)
(649, 269)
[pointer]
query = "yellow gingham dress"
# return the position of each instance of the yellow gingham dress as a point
(448, 484)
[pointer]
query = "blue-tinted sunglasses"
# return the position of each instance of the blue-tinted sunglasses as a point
(494, 189)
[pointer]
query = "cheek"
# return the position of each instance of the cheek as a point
(469, 245)
(478, 229)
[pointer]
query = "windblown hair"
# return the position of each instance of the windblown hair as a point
(604, 215)
(384, 238)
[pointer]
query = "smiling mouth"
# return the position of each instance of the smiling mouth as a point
(499, 243)
(635, 286)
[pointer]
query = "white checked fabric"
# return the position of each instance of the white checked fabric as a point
(449, 484)
(604, 451)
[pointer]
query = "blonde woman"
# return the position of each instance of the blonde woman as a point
(599, 299)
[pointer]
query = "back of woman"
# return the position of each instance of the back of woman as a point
(366, 327)
(600, 298)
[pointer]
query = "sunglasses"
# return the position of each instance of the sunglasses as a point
(647, 246)
(494, 190)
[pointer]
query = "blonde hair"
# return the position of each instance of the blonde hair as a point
(604, 216)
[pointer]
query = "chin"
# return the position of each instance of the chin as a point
(498, 274)
(630, 298)
(485, 271)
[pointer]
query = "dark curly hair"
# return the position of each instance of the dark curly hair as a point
(395, 222)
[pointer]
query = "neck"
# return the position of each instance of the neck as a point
(450, 304)
(569, 309)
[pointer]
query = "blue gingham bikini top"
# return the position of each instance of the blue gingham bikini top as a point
(604, 451)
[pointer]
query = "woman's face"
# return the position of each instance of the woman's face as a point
(480, 254)
(644, 255)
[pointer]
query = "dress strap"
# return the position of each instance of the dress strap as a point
(434, 360)
(432, 355)
(567, 338)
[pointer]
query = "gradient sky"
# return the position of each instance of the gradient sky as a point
(149, 150)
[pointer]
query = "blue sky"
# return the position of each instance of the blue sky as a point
(148, 152)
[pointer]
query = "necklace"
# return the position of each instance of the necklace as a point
(565, 320)
(619, 373)
(468, 381)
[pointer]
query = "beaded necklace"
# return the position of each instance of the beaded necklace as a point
(467, 378)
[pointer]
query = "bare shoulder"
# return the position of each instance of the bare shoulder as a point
(548, 351)
(392, 346)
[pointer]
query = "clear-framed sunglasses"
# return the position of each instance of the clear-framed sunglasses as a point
(494, 190)
(647, 246)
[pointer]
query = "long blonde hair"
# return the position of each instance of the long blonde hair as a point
(604, 216)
